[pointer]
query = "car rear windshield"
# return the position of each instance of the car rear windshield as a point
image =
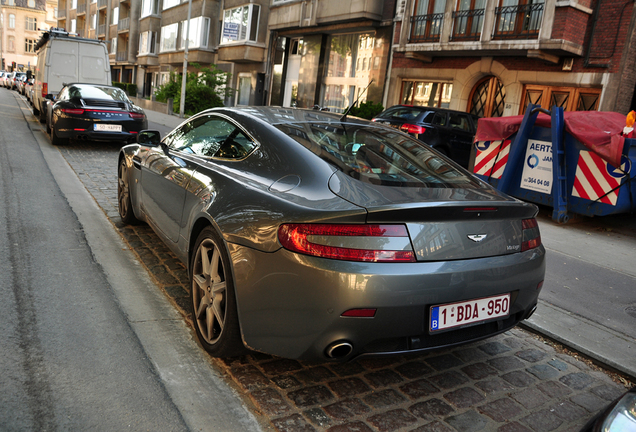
(100, 92)
(377, 155)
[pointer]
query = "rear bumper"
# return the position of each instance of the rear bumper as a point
(290, 305)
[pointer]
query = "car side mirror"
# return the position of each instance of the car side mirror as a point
(149, 137)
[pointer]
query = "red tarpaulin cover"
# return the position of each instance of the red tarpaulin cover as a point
(599, 131)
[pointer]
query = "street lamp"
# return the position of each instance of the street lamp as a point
(185, 63)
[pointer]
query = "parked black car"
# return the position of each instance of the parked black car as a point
(95, 112)
(447, 131)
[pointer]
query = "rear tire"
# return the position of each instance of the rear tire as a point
(125, 207)
(212, 296)
(56, 140)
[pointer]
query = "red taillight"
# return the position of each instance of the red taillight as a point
(531, 236)
(359, 313)
(136, 116)
(412, 129)
(45, 89)
(75, 111)
(348, 242)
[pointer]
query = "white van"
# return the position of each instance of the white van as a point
(65, 59)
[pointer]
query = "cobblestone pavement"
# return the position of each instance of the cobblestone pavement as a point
(513, 382)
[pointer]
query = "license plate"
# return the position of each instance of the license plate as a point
(107, 127)
(467, 312)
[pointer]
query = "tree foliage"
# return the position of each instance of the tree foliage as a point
(367, 110)
(204, 89)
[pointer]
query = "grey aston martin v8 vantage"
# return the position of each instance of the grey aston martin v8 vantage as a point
(315, 236)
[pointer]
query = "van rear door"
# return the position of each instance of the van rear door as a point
(93, 65)
(62, 64)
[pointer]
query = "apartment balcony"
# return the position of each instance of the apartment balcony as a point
(101, 29)
(61, 14)
(101, 4)
(242, 53)
(523, 30)
(121, 56)
(81, 33)
(81, 9)
(290, 15)
(123, 25)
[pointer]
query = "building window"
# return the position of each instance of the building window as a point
(426, 22)
(11, 43)
(170, 3)
(149, 7)
(568, 98)
(93, 21)
(240, 24)
(422, 93)
(199, 30)
(113, 46)
(115, 16)
(73, 25)
(487, 98)
(31, 3)
(468, 19)
(29, 45)
(73, 4)
(11, 21)
(10, 2)
(518, 19)
(244, 90)
(169, 37)
(147, 43)
(31, 23)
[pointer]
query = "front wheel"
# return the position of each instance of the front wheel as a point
(123, 195)
(214, 312)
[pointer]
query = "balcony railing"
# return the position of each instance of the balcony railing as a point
(517, 22)
(61, 13)
(101, 29)
(123, 24)
(81, 33)
(102, 4)
(426, 28)
(81, 8)
(121, 56)
(467, 24)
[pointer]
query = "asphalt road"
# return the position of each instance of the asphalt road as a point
(82, 347)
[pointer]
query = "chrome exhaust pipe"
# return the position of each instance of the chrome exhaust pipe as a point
(531, 312)
(339, 350)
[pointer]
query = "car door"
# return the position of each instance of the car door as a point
(164, 176)
(462, 135)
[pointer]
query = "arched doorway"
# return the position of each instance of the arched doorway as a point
(487, 99)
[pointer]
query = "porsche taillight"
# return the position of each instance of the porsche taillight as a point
(136, 116)
(368, 243)
(531, 237)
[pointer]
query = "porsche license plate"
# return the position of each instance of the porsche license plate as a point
(107, 127)
(467, 312)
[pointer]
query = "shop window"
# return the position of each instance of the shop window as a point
(422, 93)
(487, 98)
(568, 98)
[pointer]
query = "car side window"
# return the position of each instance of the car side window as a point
(459, 121)
(212, 136)
(63, 95)
(439, 119)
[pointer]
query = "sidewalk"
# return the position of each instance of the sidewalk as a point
(593, 340)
